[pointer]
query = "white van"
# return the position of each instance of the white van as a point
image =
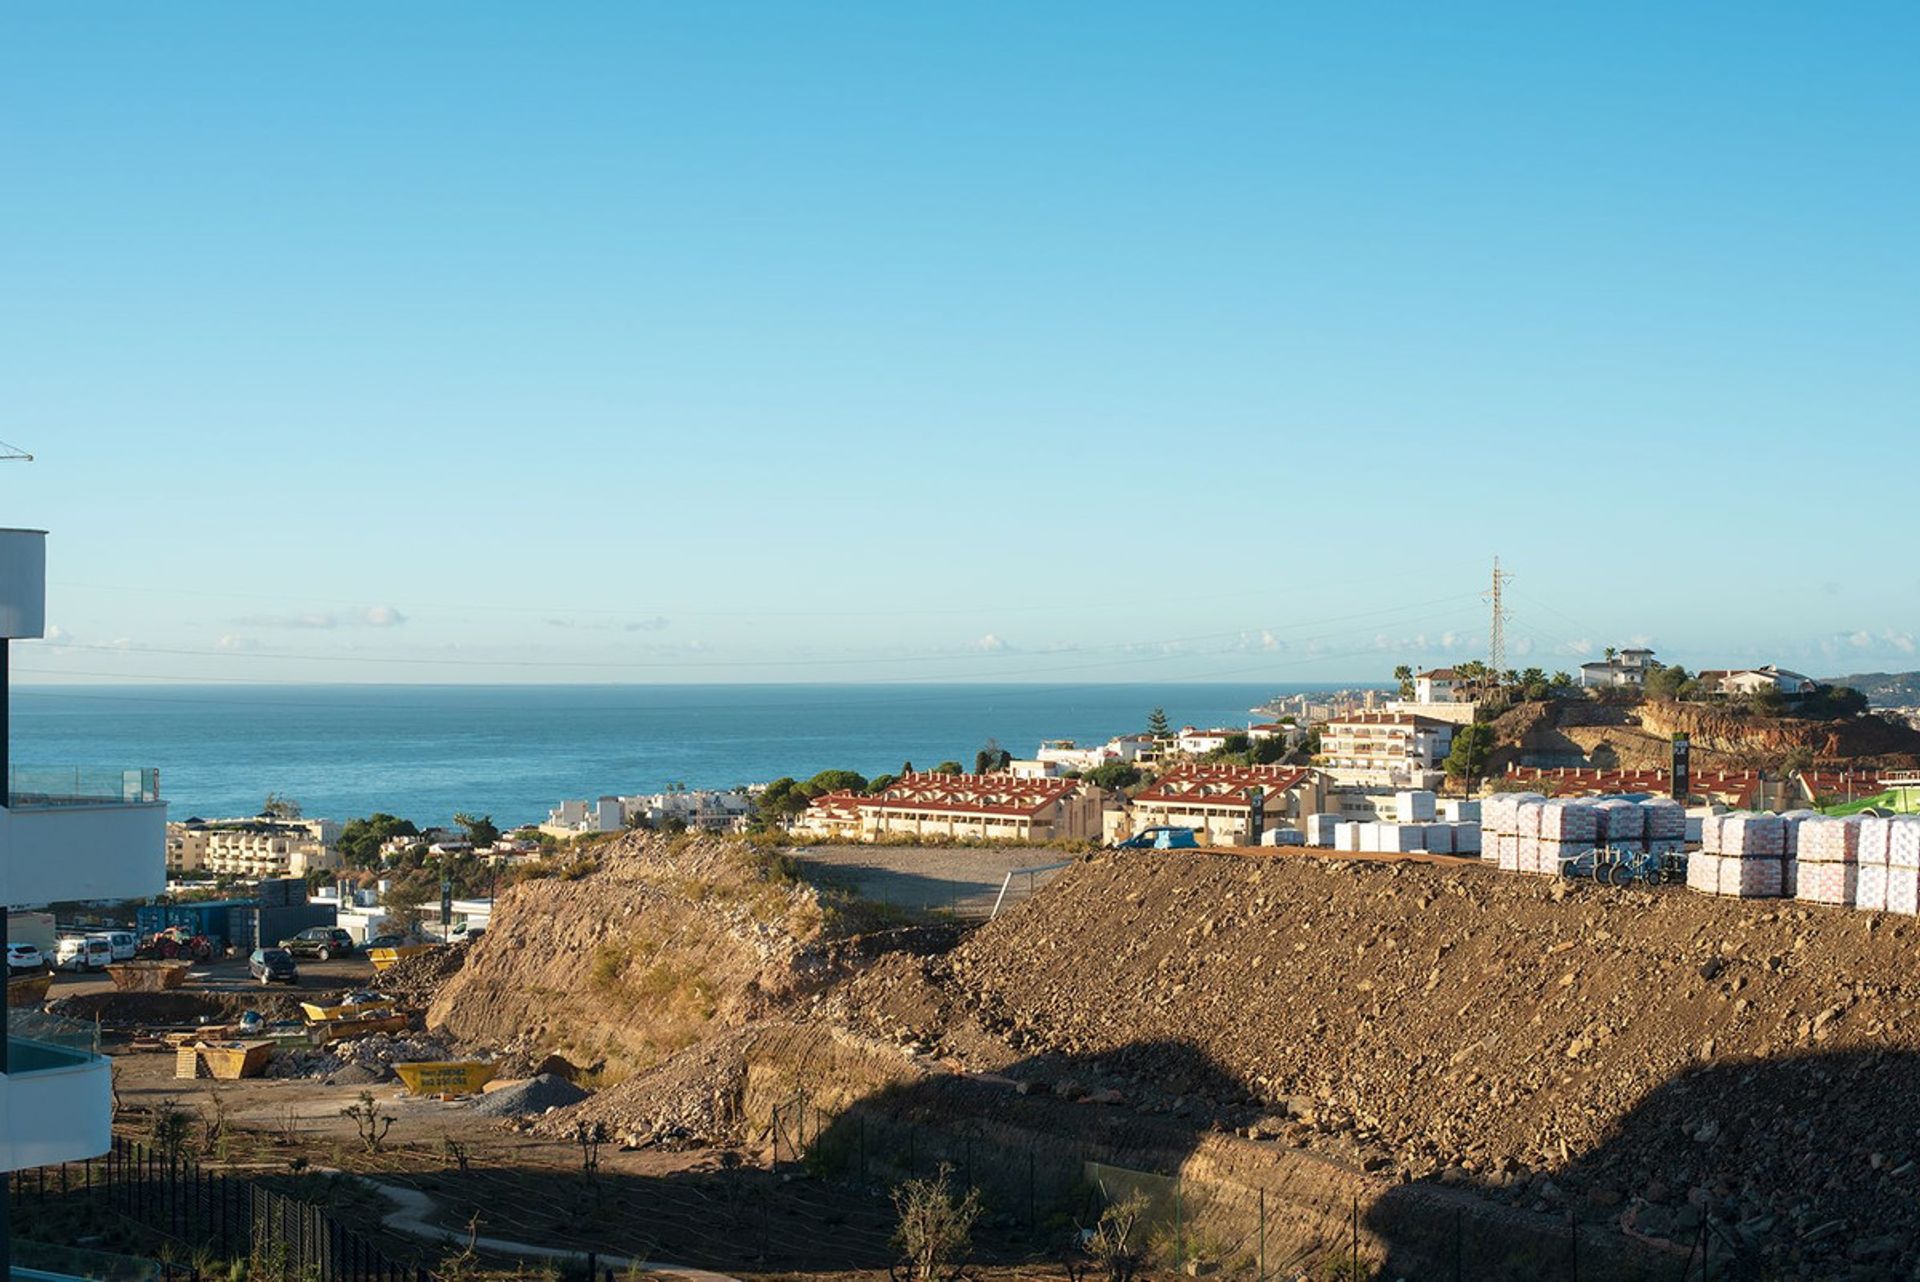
(83, 952)
(124, 943)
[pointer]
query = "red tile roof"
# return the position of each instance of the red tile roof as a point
(1221, 785)
(1738, 786)
(989, 794)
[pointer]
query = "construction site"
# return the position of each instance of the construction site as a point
(691, 1054)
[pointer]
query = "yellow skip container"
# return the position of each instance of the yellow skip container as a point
(446, 1077)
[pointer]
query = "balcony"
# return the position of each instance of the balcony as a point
(56, 1097)
(74, 833)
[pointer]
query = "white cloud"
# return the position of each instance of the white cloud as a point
(231, 643)
(988, 644)
(1578, 648)
(656, 623)
(372, 616)
(58, 634)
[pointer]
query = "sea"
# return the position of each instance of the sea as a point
(425, 752)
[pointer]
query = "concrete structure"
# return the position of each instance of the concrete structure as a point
(991, 806)
(1217, 801)
(1385, 749)
(252, 848)
(65, 834)
(1625, 670)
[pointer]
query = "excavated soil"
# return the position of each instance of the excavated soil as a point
(178, 1006)
(1558, 1045)
(660, 943)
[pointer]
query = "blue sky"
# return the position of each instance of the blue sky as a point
(1069, 342)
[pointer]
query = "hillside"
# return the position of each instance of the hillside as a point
(1428, 1021)
(1883, 689)
(1640, 736)
(647, 947)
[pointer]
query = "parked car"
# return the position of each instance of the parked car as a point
(24, 959)
(124, 943)
(83, 952)
(273, 966)
(390, 941)
(321, 942)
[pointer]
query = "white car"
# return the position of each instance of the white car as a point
(125, 944)
(83, 952)
(24, 959)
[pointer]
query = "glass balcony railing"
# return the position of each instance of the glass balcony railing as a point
(38, 787)
(37, 1041)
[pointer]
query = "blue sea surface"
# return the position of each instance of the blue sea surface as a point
(425, 752)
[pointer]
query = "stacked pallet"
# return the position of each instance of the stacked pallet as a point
(1322, 829)
(1903, 866)
(1413, 806)
(1741, 855)
(1621, 824)
(1500, 827)
(1827, 867)
(1666, 825)
(1568, 830)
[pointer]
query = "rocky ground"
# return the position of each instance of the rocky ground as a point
(1640, 1057)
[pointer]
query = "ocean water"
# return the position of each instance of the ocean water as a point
(425, 752)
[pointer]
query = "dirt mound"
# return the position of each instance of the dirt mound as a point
(417, 980)
(176, 1007)
(1428, 1021)
(372, 1058)
(529, 1098)
(724, 1090)
(660, 942)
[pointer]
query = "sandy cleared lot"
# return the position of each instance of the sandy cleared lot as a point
(963, 880)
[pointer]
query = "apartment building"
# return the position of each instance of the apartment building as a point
(252, 848)
(999, 806)
(1385, 749)
(65, 834)
(714, 810)
(1226, 805)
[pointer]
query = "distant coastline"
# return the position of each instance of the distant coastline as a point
(426, 751)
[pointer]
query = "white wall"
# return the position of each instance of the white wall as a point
(54, 853)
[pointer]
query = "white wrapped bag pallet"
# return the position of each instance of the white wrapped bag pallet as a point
(1439, 838)
(1870, 887)
(1903, 891)
(1466, 838)
(1760, 878)
(1402, 839)
(1873, 846)
(1346, 837)
(1568, 822)
(1369, 838)
(1703, 872)
(1557, 857)
(1827, 870)
(1413, 806)
(1793, 819)
(1903, 842)
(1506, 851)
(1321, 828)
(1666, 819)
(1621, 824)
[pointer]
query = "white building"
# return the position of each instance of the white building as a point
(1385, 749)
(252, 848)
(716, 811)
(65, 834)
(1437, 685)
(1750, 681)
(1068, 755)
(1627, 669)
(1198, 743)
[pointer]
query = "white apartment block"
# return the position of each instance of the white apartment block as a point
(65, 834)
(714, 810)
(1625, 670)
(252, 848)
(1385, 749)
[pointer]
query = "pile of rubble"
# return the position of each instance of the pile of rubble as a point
(360, 1062)
(415, 981)
(1561, 1045)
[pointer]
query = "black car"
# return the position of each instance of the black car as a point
(320, 942)
(273, 966)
